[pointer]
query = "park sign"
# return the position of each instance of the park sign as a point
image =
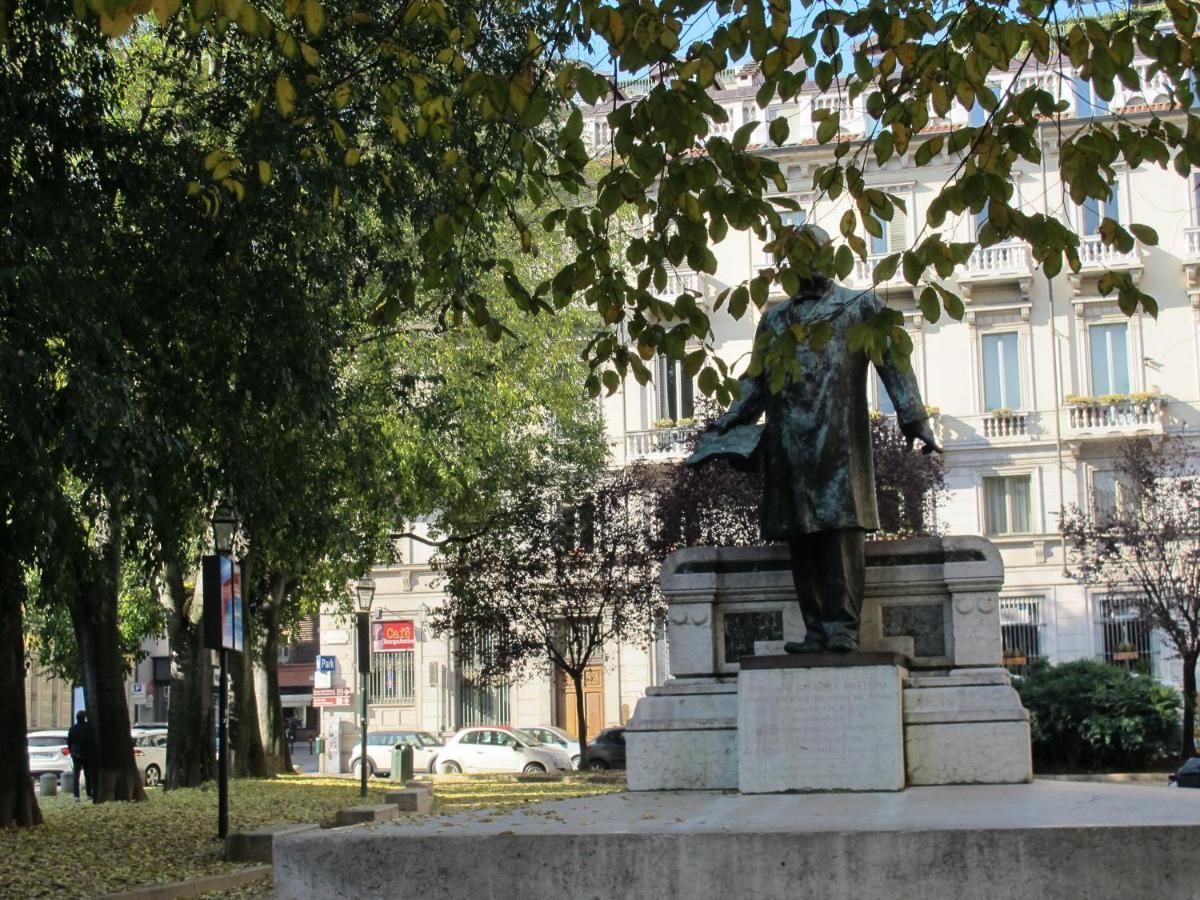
(223, 612)
(387, 637)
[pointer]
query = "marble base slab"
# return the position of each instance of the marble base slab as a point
(820, 722)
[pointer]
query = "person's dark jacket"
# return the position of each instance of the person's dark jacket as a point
(80, 740)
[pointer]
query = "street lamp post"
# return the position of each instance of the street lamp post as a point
(366, 593)
(224, 526)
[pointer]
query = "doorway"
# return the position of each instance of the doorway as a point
(593, 702)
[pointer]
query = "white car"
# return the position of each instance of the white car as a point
(551, 734)
(48, 753)
(150, 754)
(379, 751)
(498, 749)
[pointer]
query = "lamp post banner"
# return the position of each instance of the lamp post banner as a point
(223, 612)
(397, 634)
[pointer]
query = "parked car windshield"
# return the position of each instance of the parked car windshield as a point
(428, 740)
(527, 737)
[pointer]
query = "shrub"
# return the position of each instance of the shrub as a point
(1091, 715)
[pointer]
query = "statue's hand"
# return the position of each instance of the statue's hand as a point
(921, 429)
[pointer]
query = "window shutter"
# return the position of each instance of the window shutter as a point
(898, 232)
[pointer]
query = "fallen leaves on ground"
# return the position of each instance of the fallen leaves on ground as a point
(83, 850)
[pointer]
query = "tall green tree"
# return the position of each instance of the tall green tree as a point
(425, 72)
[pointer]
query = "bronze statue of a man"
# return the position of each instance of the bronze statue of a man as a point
(818, 471)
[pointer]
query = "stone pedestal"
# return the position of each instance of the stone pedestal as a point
(821, 722)
(686, 737)
(965, 727)
(933, 601)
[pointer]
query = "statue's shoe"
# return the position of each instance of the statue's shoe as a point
(811, 644)
(841, 643)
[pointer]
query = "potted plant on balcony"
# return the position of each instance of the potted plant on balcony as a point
(1003, 412)
(1125, 652)
(1147, 403)
(663, 423)
(1014, 657)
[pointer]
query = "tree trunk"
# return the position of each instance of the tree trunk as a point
(18, 805)
(249, 758)
(1188, 748)
(102, 666)
(580, 716)
(275, 742)
(190, 718)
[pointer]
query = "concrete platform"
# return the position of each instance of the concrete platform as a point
(418, 800)
(1046, 839)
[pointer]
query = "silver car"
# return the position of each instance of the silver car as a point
(552, 734)
(499, 749)
(379, 751)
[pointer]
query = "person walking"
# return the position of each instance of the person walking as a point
(81, 746)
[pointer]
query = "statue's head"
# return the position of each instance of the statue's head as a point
(814, 236)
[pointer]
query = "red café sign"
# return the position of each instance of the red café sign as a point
(394, 635)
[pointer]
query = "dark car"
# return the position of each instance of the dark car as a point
(1188, 775)
(607, 751)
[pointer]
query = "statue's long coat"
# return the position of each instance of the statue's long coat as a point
(818, 471)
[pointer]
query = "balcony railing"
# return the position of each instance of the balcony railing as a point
(1095, 254)
(1013, 426)
(1011, 259)
(1004, 424)
(864, 269)
(659, 443)
(1118, 417)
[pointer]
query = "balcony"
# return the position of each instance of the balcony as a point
(1115, 417)
(1007, 263)
(659, 443)
(860, 276)
(997, 427)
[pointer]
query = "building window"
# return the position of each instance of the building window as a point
(749, 113)
(1008, 508)
(894, 236)
(1125, 633)
(1110, 493)
(1108, 349)
(479, 702)
(1095, 211)
(1001, 372)
(392, 677)
(675, 393)
(1021, 631)
(1087, 103)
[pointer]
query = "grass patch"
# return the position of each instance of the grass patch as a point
(83, 850)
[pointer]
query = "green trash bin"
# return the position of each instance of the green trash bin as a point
(319, 747)
(402, 763)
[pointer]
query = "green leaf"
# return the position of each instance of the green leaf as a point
(885, 269)
(1145, 234)
(930, 308)
(778, 130)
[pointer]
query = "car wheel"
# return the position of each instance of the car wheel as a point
(575, 761)
(153, 776)
(597, 765)
(356, 768)
(451, 768)
(534, 769)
